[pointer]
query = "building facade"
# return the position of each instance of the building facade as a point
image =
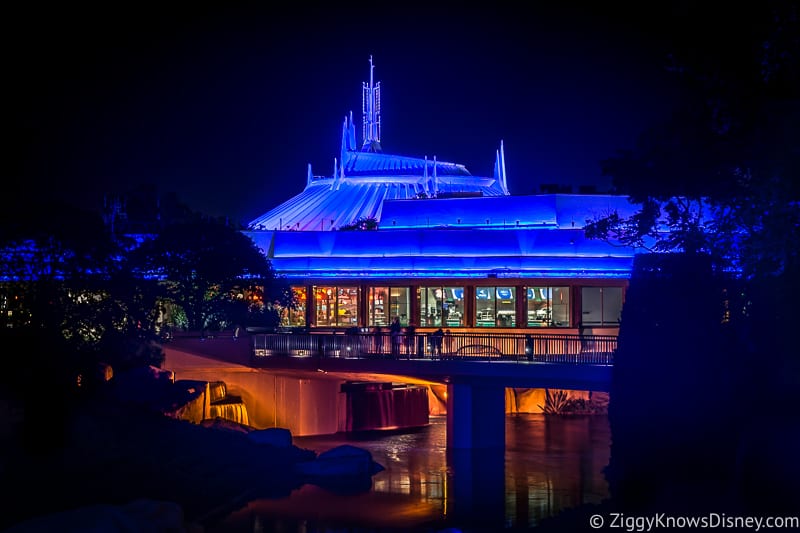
(444, 248)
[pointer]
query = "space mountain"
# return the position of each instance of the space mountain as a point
(434, 219)
(364, 178)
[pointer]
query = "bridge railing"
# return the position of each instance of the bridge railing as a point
(534, 347)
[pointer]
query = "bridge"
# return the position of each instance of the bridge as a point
(511, 360)
(476, 369)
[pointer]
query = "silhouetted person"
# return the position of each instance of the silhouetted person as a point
(378, 339)
(411, 332)
(436, 342)
(395, 330)
(353, 341)
(529, 347)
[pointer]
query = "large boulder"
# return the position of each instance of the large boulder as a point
(278, 437)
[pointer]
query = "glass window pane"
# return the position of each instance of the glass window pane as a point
(547, 306)
(506, 306)
(347, 306)
(538, 305)
(441, 306)
(559, 303)
(612, 305)
(430, 309)
(591, 306)
(453, 307)
(324, 299)
(296, 317)
(485, 306)
(399, 304)
(378, 306)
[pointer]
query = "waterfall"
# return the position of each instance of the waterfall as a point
(217, 391)
(226, 406)
(231, 408)
(381, 406)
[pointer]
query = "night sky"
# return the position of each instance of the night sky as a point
(226, 107)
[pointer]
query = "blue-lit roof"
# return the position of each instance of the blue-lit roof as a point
(371, 164)
(547, 210)
(328, 203)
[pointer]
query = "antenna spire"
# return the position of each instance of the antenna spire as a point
(371, 110)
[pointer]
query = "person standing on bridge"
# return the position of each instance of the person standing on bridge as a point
(378, 339)
(395, 330)
(436, 342)
(411, 335)
(529, 347)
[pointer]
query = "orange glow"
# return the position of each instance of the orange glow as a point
(376, 509)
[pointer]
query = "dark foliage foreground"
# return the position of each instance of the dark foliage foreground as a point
(701, 409)
(114, 453)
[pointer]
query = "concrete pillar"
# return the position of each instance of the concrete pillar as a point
(476, 416)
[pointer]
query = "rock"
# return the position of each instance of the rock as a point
(279, 437)
(226, 425)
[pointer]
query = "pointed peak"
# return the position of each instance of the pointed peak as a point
(371, 112)
(500, 168)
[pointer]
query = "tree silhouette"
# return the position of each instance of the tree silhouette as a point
(213, 271)
(722, 174)
(706, 331)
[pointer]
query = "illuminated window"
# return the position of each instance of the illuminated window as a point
(441, 306)
(336, 306)
(601, 306)
(386, 303)
(495, 307)
(547, 306)
(295, 317)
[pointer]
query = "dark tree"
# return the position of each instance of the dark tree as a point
(722, 174)
(54, 264)
(709, 326)
(213, 271)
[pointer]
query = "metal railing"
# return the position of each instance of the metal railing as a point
(534, 347)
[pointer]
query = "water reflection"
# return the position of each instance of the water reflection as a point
(549, 464)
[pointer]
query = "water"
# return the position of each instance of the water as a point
(549, 464)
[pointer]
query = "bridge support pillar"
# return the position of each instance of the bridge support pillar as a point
(476, 416)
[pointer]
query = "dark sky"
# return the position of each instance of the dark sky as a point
(227, 106)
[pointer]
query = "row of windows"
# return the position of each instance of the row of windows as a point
(545, 306)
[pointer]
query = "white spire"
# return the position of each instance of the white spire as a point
(503, 166)
(426, 183)
(500, 169)
(351, 135)
(371, 110)
(340, 178)
(345, 137)
(435, 179)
